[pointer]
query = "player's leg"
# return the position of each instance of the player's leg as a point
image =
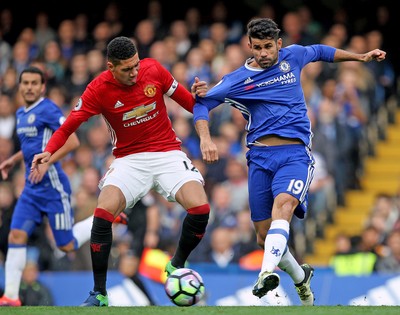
(68, 237)
(120, 188)
(284, 189)
(82, 229)
(137, 225)
(111, 201)
(193, 198)
(295, 179)
(23, 223)
(14, 266)
(261, 203)
(179, 180)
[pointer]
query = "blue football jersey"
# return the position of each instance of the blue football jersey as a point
(271, 100)
(35, 126)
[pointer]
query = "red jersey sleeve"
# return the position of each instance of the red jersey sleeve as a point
(176, 91)
(82, 112)
(62, 134)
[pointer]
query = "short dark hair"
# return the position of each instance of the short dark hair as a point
(263, 28)
(120, 48)
(32, 69)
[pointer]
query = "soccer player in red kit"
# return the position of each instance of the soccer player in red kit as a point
(130, 97)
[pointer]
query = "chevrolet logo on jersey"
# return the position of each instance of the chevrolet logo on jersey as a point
(139, 112)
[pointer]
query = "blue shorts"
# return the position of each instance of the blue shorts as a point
(278, 169)
(30, 210)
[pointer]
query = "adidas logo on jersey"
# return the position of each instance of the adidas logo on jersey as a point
(118, 104)
(248, 80)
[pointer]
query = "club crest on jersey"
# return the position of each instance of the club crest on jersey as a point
(31, 118)
(150, 90)
(78, 105)
(284, 66)
(139, 112)
(61, 120)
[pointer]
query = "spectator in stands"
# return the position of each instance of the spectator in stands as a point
(5, 55)
(331, 138)
(55, 63)
(66, 39)
(293, 31)
(20, 56)
(112, 15)
(43, 31)
(7, 203)
(245, 240)
(7, 117)
(184, 131)
(32, 291)
(28, 36)
(222, 251)
(365, 252)
(179, 31)
(9, 27)
(83, 38)
(96, 62)
(157, 51)
(236, 184)
(101, 34)
(193, 23)
(78, 77)
(145, 36)
(390, 263)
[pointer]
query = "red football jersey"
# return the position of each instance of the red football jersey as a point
(136, 115)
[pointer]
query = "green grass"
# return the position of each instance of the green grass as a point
(200, 310)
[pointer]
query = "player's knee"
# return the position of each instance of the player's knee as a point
(17, 237)
(67, 248)
(203, 209)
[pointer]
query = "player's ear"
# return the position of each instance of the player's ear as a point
(110, 66)
(279, 43)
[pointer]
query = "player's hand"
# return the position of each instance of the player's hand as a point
(40, 158)
(5, 167)
(36, 175)
(199, 88)
(375, 54)
(209, 151)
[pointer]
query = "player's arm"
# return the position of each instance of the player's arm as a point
(344, 55)
(208, 148)
(178, 92)
(8, 164)
(70, 145)
(36, 175)
(57, 140)
(185, 98)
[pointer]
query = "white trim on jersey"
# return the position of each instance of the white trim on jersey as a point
(63, 222)
(173, 88)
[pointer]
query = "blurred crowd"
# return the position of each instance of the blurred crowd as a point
(349, 106)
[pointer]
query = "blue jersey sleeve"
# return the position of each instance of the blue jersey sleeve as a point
(53, 117)
(215, 96)
(312, 53)
(35, 126)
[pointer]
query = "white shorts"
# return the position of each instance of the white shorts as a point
(138, 173)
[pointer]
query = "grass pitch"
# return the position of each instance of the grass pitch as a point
(203, 310)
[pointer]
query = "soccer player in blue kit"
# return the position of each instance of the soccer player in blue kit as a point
(46, 193)
(268, 92)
